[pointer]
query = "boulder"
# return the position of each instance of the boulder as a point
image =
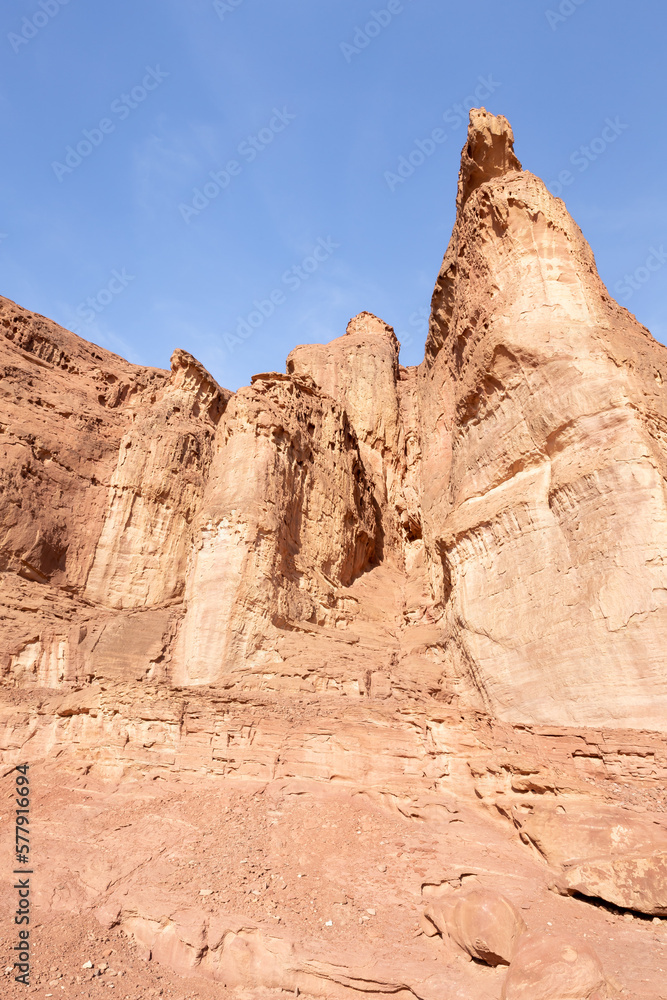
(483, 923)
(635, 883)
(554, 967)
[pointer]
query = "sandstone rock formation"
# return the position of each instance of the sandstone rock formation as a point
(635, 883)
(353, 641)
(523, 463)
(286, 518)
(484, 924)
(555, 967)
(543, 418)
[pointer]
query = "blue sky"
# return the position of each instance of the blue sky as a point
(303, 111)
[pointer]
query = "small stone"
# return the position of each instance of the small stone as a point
(206, 892)
(372, 912)
(382, 868)
(427, 927)
(87, 965)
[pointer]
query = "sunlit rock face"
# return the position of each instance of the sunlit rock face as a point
(352, 680)
(544, 423)
(523, 463)
(286, 518)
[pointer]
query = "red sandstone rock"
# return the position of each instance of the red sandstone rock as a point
(554, 967)
(544, 511)
(388, 629)
(484, 924)
(635, 883)
(567, 829)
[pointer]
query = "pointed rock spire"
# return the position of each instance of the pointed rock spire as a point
(488, 152)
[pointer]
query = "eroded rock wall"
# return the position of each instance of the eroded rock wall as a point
(65, 407)
(355, 624)
(361, 371)
(288, 516)
(156, 490)
(166, 528)
(543, 420)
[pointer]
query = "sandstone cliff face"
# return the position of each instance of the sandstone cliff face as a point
(155, 491)
(350, 602)
(103, 470)
(523, 463)
(361, 370)
(287, 517)
(544, 418)
(65, 406)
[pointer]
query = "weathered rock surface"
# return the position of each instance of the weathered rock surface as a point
(544, 420)
(66, 405)
(156, 490)
(524, 464)
(286, 519)
(354, 640)
(483, 923)
(635, 883)
(361, 370)
(566, 830)
(555, 967)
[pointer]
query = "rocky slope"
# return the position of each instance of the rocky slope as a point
(353, 679)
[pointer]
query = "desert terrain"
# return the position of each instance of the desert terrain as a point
(351, 682)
